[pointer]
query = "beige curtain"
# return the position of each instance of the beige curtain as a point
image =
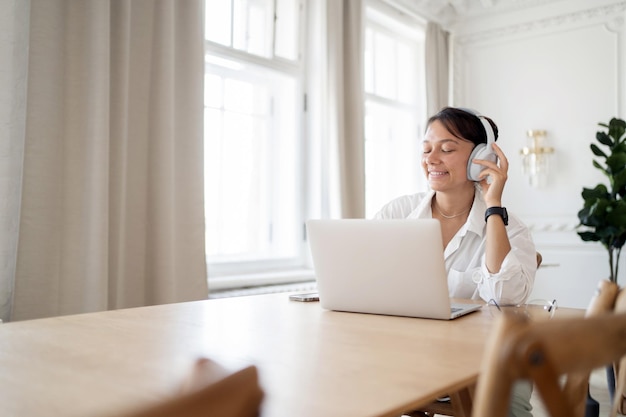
(112, 208)
(437, 68)
(345, 99)
(14, 16)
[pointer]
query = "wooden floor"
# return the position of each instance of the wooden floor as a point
(597, 387)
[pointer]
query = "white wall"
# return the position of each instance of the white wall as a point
(558, 67)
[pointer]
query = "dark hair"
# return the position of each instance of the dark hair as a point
(464, 124)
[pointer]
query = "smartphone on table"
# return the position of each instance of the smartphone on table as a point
(312, 296)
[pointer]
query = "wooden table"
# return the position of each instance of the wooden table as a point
(311, 362)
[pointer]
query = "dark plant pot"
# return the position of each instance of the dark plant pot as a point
(592, 407)
(610, 380)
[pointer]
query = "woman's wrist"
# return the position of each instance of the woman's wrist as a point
(493, 203)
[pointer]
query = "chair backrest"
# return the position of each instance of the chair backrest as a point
(577, 383)
(211, 391)
(620, 367)
(546, 351)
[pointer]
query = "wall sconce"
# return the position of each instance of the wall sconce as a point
(536, 158)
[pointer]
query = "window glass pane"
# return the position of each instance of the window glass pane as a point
(406, 74)
(392, 165)
(246, 97)
(251, 166)
(253, 26)
(236, 182)
(385, 66)
(393, 106)
(368, 60)
(287, 27)
(213, 91)
(243, 205)
(286, 163)
(217, 21)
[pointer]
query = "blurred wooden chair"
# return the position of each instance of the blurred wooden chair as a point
(212, 391)
(620, 367)
(546, 352)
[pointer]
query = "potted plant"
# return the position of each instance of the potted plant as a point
(603, 216)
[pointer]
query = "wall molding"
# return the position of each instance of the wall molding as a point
(609, 14)
(611, 17)
(552, 225)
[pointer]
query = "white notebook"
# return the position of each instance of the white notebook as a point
(392, 267)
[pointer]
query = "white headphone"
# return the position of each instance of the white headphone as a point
(482, 150)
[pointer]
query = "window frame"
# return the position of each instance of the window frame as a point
(236, 274)
(313, 161)
(384, 15)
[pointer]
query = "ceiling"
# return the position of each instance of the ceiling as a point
(449, 12)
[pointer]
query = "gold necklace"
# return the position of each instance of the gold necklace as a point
(453, 216)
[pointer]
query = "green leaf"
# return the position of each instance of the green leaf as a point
(616, 162)
(617, 127)
(616, 216)
(600, 191)
(588, 236)
(600, 167)
(597, 151)
(594, 213)
(598, 209)
(619, 183)
(604, 139)
(618, 123)
(620, 147)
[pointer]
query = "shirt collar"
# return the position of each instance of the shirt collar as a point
(475, 220)
(423, 209)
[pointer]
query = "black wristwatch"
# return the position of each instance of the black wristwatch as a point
(501, 211)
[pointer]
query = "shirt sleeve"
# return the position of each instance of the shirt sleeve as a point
(514, 282)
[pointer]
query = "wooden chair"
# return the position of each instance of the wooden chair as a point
(620, 367)
(212, 391)
(546, 352)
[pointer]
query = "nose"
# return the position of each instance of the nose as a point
(432, 157)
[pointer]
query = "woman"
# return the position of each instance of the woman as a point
(488, 253)
(484, 257)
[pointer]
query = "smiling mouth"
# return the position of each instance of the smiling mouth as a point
(437, 173)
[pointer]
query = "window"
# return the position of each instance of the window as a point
(394, 105)
(253, 135)
(256, 155)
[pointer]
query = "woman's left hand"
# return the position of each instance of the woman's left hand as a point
(497, 174)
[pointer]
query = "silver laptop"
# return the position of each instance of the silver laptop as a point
(392, 267)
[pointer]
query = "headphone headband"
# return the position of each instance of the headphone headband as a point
(491, 137)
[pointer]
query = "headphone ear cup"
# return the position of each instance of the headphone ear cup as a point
(474, 169)
(481, 151)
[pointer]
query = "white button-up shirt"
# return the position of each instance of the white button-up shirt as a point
(464, 255)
